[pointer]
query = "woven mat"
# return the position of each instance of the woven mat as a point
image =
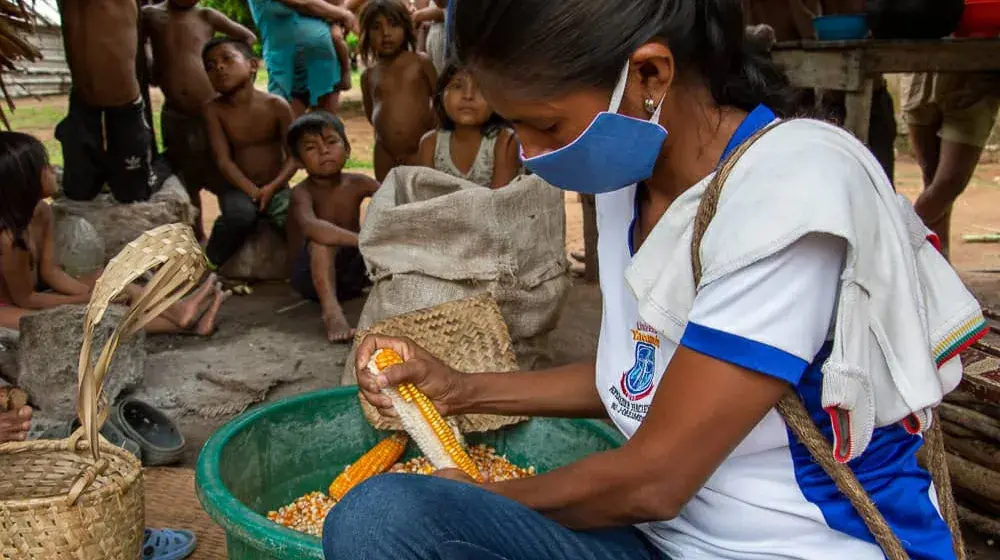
(469, 335)
(172, 504)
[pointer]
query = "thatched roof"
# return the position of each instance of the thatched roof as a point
(17, 18)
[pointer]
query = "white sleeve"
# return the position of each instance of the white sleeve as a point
(774, 316)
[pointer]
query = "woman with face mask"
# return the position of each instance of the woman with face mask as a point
(640, 102)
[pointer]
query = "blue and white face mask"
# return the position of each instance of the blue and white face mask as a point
(615, 151)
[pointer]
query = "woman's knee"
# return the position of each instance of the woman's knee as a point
(385, 516)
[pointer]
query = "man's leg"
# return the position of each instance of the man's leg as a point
(969, 108)
(130, 153)
(410, 517)
(882, 130)
(956, 164)
(321, 263)
(81, 134)
(237, 221)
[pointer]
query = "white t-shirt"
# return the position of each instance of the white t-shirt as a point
(768, 499)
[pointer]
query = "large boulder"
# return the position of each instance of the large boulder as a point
(79, 247)
(119, 224)
(263, 257)
(48, 356)
(8, 355)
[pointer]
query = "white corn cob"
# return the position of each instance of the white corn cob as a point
(439, 439)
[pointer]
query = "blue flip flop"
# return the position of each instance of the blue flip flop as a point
(167, 544)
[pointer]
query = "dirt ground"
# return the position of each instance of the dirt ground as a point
(273, 334)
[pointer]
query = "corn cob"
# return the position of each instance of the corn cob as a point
(376, 461)
(439, 440)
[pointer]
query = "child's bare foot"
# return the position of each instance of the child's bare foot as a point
(207, 324)
(14, 425)
(337, 327)
(192, 307)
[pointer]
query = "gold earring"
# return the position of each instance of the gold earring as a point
(649, 105)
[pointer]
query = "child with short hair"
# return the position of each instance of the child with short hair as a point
(397, 86)
(246, 129)
(326, 207)
(30, 277)
(179, 30)
(472, 142)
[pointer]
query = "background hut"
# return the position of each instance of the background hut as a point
(49, 75)
(17, 23)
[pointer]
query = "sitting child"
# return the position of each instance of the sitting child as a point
(473, 142)
(179, 30)
(397, 86)
(246, 129)
(326, 207)
(30, 277)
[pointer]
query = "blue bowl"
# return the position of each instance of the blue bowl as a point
(841, 27)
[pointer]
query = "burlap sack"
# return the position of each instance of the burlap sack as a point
(430, 238)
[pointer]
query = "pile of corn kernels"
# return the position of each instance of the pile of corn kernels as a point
(307, 513)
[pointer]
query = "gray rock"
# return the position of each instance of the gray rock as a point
(79, 247)
(263, 257)
(8, 355)
(119, 224)
(48, 356)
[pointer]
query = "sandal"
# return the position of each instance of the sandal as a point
(167, 544)
(158, 436)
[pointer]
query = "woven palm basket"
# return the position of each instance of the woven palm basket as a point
(469, 335)
(82, 498)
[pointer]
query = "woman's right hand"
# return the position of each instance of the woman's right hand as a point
(444, 386)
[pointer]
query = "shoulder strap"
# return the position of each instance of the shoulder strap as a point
(791, 408)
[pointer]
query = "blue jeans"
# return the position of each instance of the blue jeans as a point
(410, 517)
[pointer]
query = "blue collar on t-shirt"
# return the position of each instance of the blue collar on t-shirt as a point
(753, 123)
(756, 120)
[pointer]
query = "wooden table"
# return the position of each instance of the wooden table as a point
(852, 67)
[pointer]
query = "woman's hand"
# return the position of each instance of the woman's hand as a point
(457, 475)
(442, 385)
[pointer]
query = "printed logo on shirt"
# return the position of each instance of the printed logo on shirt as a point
(637, 381)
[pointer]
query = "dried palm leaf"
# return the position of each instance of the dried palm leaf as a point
(17, 20)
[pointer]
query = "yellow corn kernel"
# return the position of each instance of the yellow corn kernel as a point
(376, 461)
(385, 357)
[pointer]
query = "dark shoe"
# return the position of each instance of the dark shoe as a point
(158, 436)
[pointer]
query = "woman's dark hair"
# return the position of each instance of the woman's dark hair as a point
(490, 128)
(314, 122)
(22, 160)
(548, 48)
(396, 13)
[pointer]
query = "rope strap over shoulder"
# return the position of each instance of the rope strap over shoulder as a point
(794, 412)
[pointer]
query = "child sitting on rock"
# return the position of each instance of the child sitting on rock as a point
(397, 86)
(30, 277)
(246, 129)
(472, 142)
(326, 208)
(179, 30)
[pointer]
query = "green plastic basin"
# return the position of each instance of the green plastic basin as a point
(273, 454)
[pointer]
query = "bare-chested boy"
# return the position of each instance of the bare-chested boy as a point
(178, 31)
(398, 85)
(326, 208)
(246, 129)
(101, 39)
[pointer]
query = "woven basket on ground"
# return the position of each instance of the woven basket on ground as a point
(469, 335)
(82, 498)
(795, 415)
